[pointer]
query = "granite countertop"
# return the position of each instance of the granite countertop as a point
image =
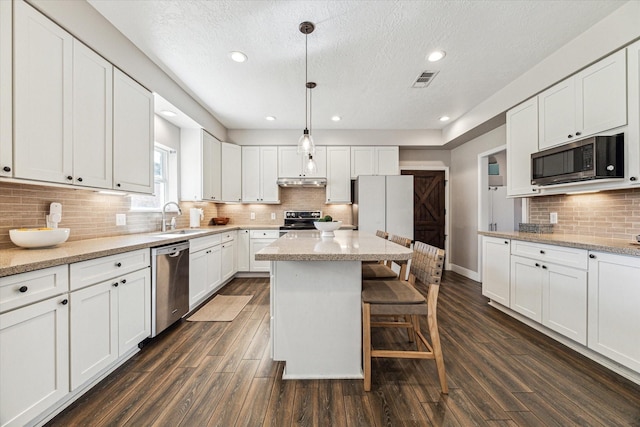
(590, 243)
(347, 245)
(19, 260)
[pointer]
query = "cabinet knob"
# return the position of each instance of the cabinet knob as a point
(592, 256)
(6, 169)
(118, 185)
(69, 178)
(115, 284)
(23, 289)
(542, 252)
(537, 265)
(578, 133)
(79, 179)
(118, 264)
(569, 136)
(544, 267)
(633, 178)
(506, 242)
(123, 281)
(64, 301)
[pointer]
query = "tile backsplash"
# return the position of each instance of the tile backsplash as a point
(610, 214)
(90, 214)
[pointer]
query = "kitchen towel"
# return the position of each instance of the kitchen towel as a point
(223, 308)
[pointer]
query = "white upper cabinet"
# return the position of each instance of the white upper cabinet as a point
(291, 164)
(592, 101)
(92, 118)
(231, 172)
(42, 98)
(211, 173)
(522, 141)
(260, 175)
(633, 130)
(200, 159)
(338, 175)
(375, 161)
(6, 89)
(132, 135)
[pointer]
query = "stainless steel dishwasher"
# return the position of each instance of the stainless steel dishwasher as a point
(169, 286)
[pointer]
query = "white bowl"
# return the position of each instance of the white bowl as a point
(327, 228)
(38, 237)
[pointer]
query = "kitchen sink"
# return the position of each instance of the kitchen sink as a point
(177, 233)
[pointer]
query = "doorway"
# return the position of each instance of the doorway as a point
(429, 206)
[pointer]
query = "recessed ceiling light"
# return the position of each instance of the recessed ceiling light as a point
(445, 118)
(336, 118)
(168, 113)
(238, 56)
(436, 55)
(270, 118)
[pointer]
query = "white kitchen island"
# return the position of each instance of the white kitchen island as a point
(315, 300)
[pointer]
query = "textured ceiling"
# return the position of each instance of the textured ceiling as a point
(364, 55)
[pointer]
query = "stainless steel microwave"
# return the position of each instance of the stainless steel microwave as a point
(598, 157)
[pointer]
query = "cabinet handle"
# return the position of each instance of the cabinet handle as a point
(123, 281)
(69, 178)
(115, 285)
(79, 179)
(578, 133)
(6, 169)
(569, 136)
(632, 178)
(544, 267)
(118, 264)
(23, 289)
(537, 265)
(592, 256)
(506, 242)
(64, 301)
(542, 252)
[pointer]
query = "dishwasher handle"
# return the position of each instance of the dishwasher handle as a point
(171, 250)
(175, 254)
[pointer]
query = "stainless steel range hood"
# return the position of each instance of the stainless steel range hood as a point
(302, 182)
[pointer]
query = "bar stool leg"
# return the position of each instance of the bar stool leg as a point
(366, 344)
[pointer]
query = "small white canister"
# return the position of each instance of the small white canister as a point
(195, 216)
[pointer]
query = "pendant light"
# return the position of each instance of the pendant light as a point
(305, 143)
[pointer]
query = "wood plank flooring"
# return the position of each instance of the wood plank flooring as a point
(500, 373)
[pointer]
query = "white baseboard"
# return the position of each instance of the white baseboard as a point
(473, 275)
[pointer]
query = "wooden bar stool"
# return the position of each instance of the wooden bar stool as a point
(401, 298)
(383, 270)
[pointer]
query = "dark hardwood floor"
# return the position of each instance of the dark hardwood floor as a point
(500, 373)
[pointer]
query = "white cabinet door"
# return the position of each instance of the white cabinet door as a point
(243, 250)
(632, 140)
(338, 175)
(231, 172)
(227, 260)
(197, 277)
(211, 168)
(132, 135)
(522, 141)
(250, 174)
(387, 161)
(92, 118)
(214, 268)
(495, 269)
(526, 287)
(564, 301)
(270, 192)
(134, 309)
(6, 89)
(255, 246)
(34, 359)
(42, 98)
(289, 162)
(362, 161)
(614, 298)
(557, 114)
(601, 95)
(93, 330)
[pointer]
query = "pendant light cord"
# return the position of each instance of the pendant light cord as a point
(306, 79)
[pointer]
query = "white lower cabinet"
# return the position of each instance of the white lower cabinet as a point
(614, 302)
(108, 320)
(227, 256)
(260, 239)
(205, 276)
(34, 359)
(526, 287)
(243, 250)
(495, 269)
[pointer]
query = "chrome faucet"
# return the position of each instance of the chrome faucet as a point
(164, 211)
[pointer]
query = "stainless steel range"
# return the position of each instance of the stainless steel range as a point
(299, 220)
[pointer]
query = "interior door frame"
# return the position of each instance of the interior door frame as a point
(447, 186)
(483, 206)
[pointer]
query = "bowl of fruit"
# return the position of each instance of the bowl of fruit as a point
(38, 237)
(327, 226)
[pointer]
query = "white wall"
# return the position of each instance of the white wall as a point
(615, 31)
(166, 133)
(464, 200)
(399, 137)
(412, 157)
(87, 25)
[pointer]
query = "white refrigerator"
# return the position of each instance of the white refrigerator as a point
(384, 203)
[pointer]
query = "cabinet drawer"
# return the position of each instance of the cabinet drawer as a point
(265, 234)
(201, 243)
(569, 257)
(87, 273)
(26, 288)
(228, 236)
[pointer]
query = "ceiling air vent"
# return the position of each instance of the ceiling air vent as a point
(424, 79)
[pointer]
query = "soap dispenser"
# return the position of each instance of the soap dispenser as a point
(55, 215)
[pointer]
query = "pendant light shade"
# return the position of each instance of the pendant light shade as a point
(306, 145)
(310, 167)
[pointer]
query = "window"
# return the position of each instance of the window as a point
(165, 181)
